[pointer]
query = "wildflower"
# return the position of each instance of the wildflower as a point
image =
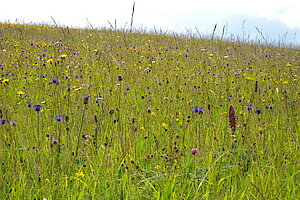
(59, 118)
(63, 56)
(54, 141)
(198, 110)
(98, 100)
(232, 119)
(194, 151)
(2, 122)
(79, 174)
(29, 104)
(258, 112)
(153, 114)
(270, 107)
(157, 167)
(5, 81)
(127, 88)
(164, 125)
(37, 108)
(54, 80)
(249, 108)
(13, 122)
(49, 61)
(20, 93)
(86, 99)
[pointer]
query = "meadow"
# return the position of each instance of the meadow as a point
(112, 114)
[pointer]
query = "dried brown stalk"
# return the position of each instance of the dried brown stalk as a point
(232, 119)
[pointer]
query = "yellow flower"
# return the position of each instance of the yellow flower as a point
(157, 167)
(164, 125)
(49, 61)
(249, 78)
(142, 128)
(20, 93)
(63, 56)
(79, 174)
(153, 114)
(5, 80)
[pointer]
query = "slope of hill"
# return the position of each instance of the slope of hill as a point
(108, 114)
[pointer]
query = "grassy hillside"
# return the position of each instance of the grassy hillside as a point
(104, 114)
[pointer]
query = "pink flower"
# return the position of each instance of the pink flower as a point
(194, 151)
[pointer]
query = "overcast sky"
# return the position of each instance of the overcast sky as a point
(277, 19)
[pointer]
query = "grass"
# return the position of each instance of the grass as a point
(145, 116)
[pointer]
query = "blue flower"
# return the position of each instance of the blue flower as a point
(54, 80)
(13, 122)
(98, 100)
(2, 122)
(127, 88)
(37, 108)
(198, 110)
(250, 108)
(258, 112)
(59, 118)
(54, 141)
(270, 107)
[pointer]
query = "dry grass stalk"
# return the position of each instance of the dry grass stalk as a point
(232, 119)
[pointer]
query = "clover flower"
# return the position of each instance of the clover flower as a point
(194, 151)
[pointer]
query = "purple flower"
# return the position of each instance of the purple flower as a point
(198, 110)
(54, 80)
(54, 141)
(249, 108)
(37, 108)
(2, 122)
(194, 151)
(127, 88)
(29, 104)
(98, 100)
(59, 118)
(13, 122)
(258, 112)
(270, 107)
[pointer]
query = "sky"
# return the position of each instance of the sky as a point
(277, 20)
